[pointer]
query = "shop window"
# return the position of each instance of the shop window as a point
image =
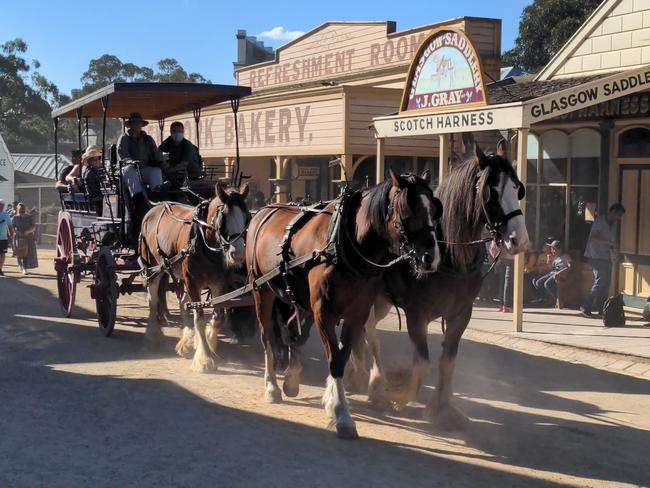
(585, 157)
(364, 175)
(581, 215)
(562, 201)
(555, 154)
(400, 164)
(634, 143)
(432, 164)
(552, 211)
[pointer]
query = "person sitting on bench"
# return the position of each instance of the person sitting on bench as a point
(561, 264)
(92, 176)
(65, 181)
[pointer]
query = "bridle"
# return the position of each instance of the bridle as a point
(496, 226)
(405, 248)
(217, 225)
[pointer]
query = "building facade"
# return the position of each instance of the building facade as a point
(314, 104)
(586, 160)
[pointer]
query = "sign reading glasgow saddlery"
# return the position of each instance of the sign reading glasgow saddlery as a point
(446, 72)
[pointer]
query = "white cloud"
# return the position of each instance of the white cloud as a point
(279, 33)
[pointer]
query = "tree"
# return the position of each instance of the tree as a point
(545, 26)
(169, 70)
(108, 69)
(24, 100)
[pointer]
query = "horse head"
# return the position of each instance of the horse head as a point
(411, 220)
(229, 217)
(498, 191)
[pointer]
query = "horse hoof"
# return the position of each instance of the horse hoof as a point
(291, 390)
(447, 418)
(204, 365)
(346, 432)
(273, 395)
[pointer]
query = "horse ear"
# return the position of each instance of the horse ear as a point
(220, 192)
(397, 181)
(244, 191)
(502, 148)
(426, 176)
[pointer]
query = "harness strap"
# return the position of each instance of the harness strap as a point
(255, 284)
(265, 219)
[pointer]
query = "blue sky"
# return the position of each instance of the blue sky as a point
(200, 34)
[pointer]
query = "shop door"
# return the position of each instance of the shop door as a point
(634, 235)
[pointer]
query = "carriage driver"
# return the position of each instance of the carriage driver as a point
(137, 145)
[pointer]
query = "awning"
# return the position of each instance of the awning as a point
(154, 101)
(515, 115)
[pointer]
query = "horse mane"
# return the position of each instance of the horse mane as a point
(461, 195)
(375, 212)
(233, 199)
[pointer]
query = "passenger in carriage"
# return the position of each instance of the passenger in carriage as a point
(93, 175)
(137, 146)
(183, 158)
(65, 182)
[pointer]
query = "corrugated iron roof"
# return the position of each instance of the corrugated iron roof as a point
(38, 164)
(522, 88)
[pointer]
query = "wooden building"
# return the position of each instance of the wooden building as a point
(330, 94)
(315, 101)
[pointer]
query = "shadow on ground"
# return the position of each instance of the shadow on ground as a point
(100, 430)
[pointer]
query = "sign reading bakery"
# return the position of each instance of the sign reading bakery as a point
(445, 73)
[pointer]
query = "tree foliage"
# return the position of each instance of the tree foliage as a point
(545, 26)
(109, 69)
(27, 97)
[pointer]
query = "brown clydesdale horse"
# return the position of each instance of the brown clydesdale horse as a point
(481, 191)
(212, 238)
(379, 224)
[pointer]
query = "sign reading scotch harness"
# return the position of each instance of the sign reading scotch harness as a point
(446, 72)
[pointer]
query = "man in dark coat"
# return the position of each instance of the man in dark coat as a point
(183, 157)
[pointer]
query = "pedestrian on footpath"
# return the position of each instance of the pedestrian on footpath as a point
(602, 251)
(25, 227)
(6, 232)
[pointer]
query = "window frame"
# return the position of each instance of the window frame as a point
(568, 185)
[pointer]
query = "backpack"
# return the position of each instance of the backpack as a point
(613, 315)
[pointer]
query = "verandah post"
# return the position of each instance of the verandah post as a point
(379, 175)
(520, 259)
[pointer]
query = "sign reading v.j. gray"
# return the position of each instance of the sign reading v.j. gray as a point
(586, 95)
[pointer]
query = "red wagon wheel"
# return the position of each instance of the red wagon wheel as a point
(105, 291)
(66, 257)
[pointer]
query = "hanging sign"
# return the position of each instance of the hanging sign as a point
(445, 73)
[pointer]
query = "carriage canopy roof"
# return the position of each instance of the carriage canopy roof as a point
(153, 100)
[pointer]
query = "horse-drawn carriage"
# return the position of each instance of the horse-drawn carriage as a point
(341, 263)
(93, 237)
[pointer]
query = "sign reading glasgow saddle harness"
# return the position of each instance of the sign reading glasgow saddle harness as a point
(446, 72)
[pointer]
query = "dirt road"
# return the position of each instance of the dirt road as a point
(77, 409)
